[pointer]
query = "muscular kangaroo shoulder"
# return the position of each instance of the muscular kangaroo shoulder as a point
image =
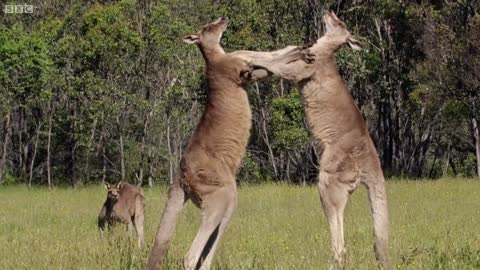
(234, 62)
(233, 65)
(230, 68)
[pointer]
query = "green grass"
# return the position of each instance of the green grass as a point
(434, 225)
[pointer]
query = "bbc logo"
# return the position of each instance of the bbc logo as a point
(18, 9)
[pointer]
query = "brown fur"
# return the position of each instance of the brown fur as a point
(213, 155)
(125, 203)
(348, 155)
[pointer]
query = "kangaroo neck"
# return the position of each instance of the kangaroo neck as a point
(210, 54)
(326, 46)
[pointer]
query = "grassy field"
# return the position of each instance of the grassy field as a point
(434, 225)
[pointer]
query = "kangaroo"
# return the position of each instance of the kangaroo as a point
(125, 203)
(348, 155)
(212, 157)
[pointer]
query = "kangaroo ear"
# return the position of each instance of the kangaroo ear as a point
(354, 43)
(334, 15)
(107, 185)
(191, 38)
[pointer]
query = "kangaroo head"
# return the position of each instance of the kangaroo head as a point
(208, 38)
(337, 33)
(113, 191)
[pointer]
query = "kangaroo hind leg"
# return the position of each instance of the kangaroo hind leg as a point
(216, 213)
(139, 219)
(334, 197)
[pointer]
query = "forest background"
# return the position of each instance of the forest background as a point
(96, 91)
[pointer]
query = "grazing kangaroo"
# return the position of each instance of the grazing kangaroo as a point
(125, 203)
(348, 154)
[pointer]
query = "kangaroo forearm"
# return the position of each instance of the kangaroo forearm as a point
(288, 63)
(293, 71)
(259, 74)
(261, 55)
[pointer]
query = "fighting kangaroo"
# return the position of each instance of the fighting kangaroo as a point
(125, 203)
(213, 154)
(348, 154)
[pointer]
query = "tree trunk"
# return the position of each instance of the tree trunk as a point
(170, 159)
(25, 147)
(313, 20)
(122, 154)
(430, 174)
(476, 132)
(146, 57)
(72, 149)
(267, 142)
(150, 166)
(122, 158)
(69, 144)
(89, 145)
(20, 144)
(265, 137)
(6, 134)
(151, 145)
(104, 165)
(142, 146)
(49, 140)
(285, 167)
(387, 136)
(447, 161)
(101, 147)
(34, 155)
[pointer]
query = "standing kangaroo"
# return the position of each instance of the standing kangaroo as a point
(125, 203)
(212, 157)
(348, 155)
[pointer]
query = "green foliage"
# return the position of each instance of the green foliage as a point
(25, 67)
(9, 179)
(468, 166)
(167, 31)
(287, 122)
(455, 110)
(108, 33)
(105, 70)
(250, 171)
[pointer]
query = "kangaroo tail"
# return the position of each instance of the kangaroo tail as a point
(176, 200)
(378, 205)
